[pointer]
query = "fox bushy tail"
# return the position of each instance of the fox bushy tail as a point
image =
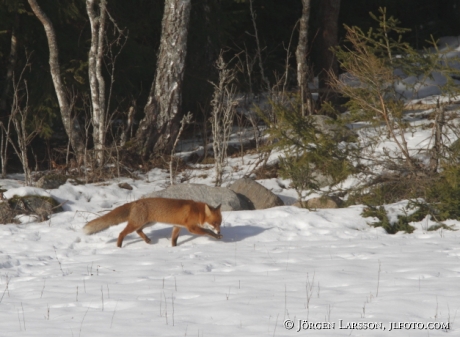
(118, 215)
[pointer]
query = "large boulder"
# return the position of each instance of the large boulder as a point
(213, 196)
(322, 180)
(6, 213)
(51, 181)
(328, 202)
(339, 133)
(259, 196)
(41, 206)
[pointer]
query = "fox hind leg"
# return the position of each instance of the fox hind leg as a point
(130, 227)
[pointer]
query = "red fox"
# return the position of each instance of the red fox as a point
(198, 217)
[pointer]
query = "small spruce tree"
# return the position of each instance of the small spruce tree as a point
(307, 150)
(377, 64)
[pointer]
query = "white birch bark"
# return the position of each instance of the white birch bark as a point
(97, 14)
(157, 129)
(71, 125)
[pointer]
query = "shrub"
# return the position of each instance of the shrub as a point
(308, 151)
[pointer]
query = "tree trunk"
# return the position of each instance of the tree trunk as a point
(71, 125)
(156, 130)
(327, 62)
(301, 57)
(97, 20)
(436, 151)
(12, 59)
(259, 49)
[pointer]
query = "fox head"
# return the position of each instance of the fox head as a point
(213, 218)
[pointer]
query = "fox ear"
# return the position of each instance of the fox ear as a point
(207, 209)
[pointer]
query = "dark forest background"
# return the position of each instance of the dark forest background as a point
(214, 25)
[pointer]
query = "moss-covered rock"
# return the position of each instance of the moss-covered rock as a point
(7, 214)
(41, 206)
(51, 181)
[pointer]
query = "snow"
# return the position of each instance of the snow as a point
(23, 191)
(273, 265)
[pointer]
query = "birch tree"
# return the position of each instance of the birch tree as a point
(71, 125)
(158, 127)
(97, 13)
(101, 53)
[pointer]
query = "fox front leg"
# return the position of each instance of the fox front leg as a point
(175, 235)
(205, 231)
(211, 233)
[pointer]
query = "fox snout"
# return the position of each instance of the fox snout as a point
(217, 230)
(218, 235)
(214, 227)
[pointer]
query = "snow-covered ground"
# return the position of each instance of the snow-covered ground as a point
(283, 271)
(274, 265)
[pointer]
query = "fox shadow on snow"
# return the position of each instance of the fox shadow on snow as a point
(229, 234)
